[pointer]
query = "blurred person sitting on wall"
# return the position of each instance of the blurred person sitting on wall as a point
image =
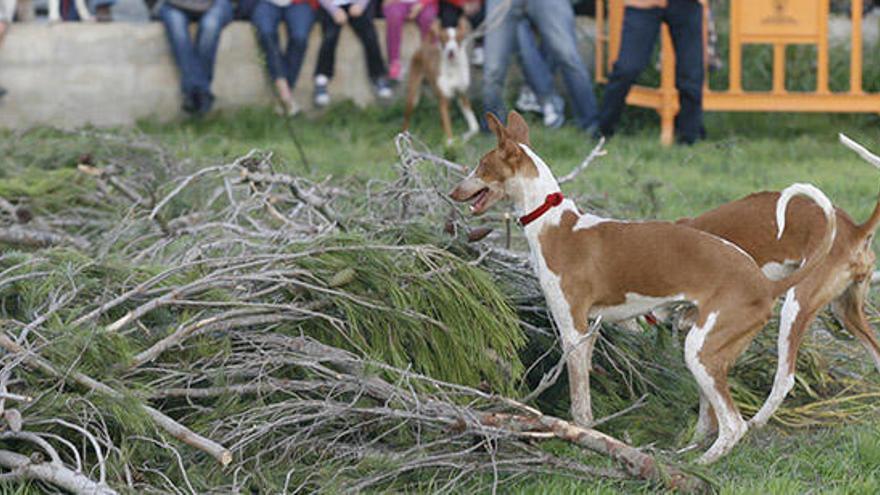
(284, 65)
(7, 12)
(195, 57)
(641, 27)
(333, 15)
(101, 8)
(396, 13)
(555, 23)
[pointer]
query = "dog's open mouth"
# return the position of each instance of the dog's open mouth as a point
(479, 201)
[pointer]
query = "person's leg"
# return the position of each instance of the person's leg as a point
(211, 25)
(365, 30)
(176, 24)
(265, 18)
(395, 15)
(639, 34)
(103, 9)
(449, 15)
(4, 28)
(499, 43)
(299, 19)
(535, 71)
(685, 19)
(426, 18)
(327, 53)
(554, 20)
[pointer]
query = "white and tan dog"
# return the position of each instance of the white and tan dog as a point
(842, 279)
(590, 266)
(444, 64)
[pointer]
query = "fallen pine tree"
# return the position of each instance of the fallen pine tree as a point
(172, 327)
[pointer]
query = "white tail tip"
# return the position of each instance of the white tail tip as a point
(800, 189)
(860, 150)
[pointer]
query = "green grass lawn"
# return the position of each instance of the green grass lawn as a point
(744, 153)
(638, 178)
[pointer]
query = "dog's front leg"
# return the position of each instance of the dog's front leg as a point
(444, 118)
(580, 363)
(464, 103)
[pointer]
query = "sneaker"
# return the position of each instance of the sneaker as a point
(322, 97)
(394, 70)
(204, 102)
(527, 101)
(478, 56)
(189, 102)
(383, 89)
(293, 108)
(552, 118)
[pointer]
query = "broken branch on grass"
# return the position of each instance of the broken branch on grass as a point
(172, 427)
(596, 152)
(34, 238)
(53, 473)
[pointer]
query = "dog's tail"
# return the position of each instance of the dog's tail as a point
(812, 192)
(866, 229)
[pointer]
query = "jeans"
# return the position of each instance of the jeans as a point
(396, 14)
(554, 20)
(195, 59)
(366, 33)
(68, 8)
(640, 30)
(537, 66)
(298, 19)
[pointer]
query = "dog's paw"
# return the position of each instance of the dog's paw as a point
(450, 141)
(468, 135)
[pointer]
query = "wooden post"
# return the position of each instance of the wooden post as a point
(779, 68)
(601, 39)
(855, 57)
(822, 47)
(668, 94)
(735, 85)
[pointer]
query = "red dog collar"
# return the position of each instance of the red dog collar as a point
(553, 199)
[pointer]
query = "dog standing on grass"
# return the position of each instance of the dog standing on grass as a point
(589, 267)
(442, 60)
(842, 279)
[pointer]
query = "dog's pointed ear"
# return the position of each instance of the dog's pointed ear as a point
(517, 128)
(497, 127)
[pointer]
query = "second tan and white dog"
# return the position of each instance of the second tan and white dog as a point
(443, 62)
(842, 279)
(590, 266)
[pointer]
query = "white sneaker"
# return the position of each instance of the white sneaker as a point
(552, 118)
(293, 108)
(322, 96)
(478, 56)
(527, 101)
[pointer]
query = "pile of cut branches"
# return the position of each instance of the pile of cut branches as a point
(172, 326)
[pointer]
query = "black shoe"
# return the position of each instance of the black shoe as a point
(2, 92)
(204, 102)
(189, 102)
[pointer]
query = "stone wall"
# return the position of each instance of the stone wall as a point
(72, 74)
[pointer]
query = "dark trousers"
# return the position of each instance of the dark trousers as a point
(640, 31)
(298, 19)
(365, 31)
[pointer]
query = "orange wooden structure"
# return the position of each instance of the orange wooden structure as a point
(775, 22)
